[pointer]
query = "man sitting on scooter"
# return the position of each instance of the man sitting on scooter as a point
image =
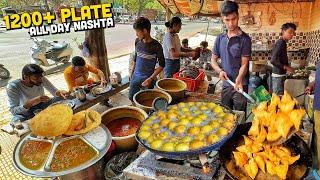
(26, 95)
(78, 73)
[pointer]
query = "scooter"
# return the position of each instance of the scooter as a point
(42, 51)
(4, 73)
(159, 34)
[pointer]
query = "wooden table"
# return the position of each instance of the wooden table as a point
(93, 100)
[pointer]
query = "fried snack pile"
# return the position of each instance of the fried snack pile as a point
(83, 122)
(58, 119)
(273, 121)
(52, 121)
(187, 126)
(273, 160)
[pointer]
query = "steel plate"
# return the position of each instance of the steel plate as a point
(99, 139)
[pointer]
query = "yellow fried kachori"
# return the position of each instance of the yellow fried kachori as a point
(52, 121)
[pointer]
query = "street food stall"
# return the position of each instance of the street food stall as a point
(192, 136)
(174, 131)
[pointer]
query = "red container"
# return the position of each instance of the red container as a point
(192, 84)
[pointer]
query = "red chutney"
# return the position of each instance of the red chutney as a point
(123, 126)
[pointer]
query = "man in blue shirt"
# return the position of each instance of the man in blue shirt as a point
(234, 50)
(314, 87)
(148, 52)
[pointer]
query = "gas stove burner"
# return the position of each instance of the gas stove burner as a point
(150, 166)
(179, 162)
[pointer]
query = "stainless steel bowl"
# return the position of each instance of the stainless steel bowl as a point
(99, 139)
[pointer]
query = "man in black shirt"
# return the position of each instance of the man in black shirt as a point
(279, 58)
(148, 53)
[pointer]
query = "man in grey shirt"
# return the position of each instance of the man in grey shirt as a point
(27, 94)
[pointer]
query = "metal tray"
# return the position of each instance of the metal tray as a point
(99, 139)
(103, 90)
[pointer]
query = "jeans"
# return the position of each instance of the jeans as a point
(30, 113)
(171, 67)
(278, 85)
(233, 99)
(135, 85)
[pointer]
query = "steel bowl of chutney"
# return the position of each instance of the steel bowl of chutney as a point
(123, 122)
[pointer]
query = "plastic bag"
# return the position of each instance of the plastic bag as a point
(117, 164)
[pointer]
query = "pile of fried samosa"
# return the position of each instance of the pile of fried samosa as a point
(273, 160)
(271, 122)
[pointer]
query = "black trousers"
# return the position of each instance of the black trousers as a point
(233, 99)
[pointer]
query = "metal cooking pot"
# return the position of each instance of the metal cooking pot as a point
(149, 95)
(177, 94)
(124, 143)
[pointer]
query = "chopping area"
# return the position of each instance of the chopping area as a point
(239, 102)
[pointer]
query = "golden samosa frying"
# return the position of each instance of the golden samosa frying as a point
(296, 117)
(262, 135)
(283, 124)
(252, 168)
(260, 161)
(271, 168)
(275, 100)
(254, 129)
(281, 170)
(241, 158)
(273, 136)
(287, 107)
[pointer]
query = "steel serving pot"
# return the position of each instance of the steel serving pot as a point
(166, 85)
(99, 139)
(149, 95)
(124, 143)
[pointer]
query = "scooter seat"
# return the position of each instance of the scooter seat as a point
(58, 46)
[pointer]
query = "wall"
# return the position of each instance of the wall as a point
(283, 12)
(313, 34)
(314, 23)
(305, 15)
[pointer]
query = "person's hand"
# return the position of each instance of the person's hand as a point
(223, 75)
(130, 77)
(35, 101)
(64, 94)
(238, 85)
(147, 82)
(103, 82)
(289, 69)
(43, 99)
(310, 88)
